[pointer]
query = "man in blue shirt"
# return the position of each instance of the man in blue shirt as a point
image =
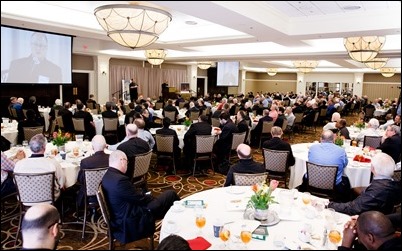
(327, 153)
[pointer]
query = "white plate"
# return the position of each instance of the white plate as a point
(178, 209)
(171, 230)
(235, 190)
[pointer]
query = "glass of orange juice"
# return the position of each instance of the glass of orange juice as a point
(306, 198)
(76, 151)
(334, 236)
(245, 236)
(224, 235)
(200, 219)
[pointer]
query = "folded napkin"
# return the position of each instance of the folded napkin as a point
(199, 243)
(361, 158)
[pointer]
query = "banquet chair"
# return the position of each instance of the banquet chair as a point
(171, 115)
(60, 123)
(194, 115)
(29, 132)
(372, 141)
(33, 188)
(238, 138)
(141, 162)
(215, 122)
(181, 105)
(321, 179)
(14, 113)
(79, 126)
(368, 113)
(110, 127)
(158, 105)
(106, 217)
(92, 179)
(266, 130)
(203, 150)
(165, 149)
(276, 163)
(90, 105)
(397, 175)
(249, 179)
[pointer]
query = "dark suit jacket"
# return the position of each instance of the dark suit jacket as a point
(200, 128)
(258, 127)
(25, 123)
(278, 144)
(127, 205)
(224, 143)
(131, 148)
(243, 166)
(170, 108)
(97, 160)
(67, 117)
(392, 146)
(242, 126)
(279, 120)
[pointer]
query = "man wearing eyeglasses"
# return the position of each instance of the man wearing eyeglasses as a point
(40, 227)
(133, 213)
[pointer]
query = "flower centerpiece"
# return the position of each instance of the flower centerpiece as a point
(339, 140)
(187, 122)
(262, 198)
(60, 139)
(360, 125)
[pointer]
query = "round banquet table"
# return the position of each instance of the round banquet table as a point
(357, 172)
(227, 205)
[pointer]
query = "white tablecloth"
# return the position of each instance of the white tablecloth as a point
(227, 204)
(70, 166)
(380, 112)
(10, 132)
(358, 173)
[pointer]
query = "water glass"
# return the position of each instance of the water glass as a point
(25, 143)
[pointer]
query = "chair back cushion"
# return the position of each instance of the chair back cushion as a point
(215, 122)
(238, 138)
(59, 120)
(79, 125)
(110, 124)
(275, 160)
(171, 115)
(204, 143)
(164, 143)
(35, 187)
(93, 178)
(249, 179)
(321, 176)
(142, 162)
(373, 141)
(29, 132)
(267, 126)
(397, 175)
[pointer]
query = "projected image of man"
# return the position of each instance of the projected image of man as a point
(35, 68)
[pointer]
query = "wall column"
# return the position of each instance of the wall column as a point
(301, 84)
(102, 90)
(192, 77)
(358, 84)
(242, 87)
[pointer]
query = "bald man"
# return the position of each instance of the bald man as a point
(246, 164)
(133, 213)
(40, 227)
(97, 160)
(132, 147)
(373, 229)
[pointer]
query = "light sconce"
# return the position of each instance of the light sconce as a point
(388, 72)
(272, 71)
(376, 63)
(204, 65)
(104, 73)
(363, 49)
(133, 26)
(358, 83)
(155, 57)
(305, 65)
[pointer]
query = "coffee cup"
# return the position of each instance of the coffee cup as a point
(217, 227)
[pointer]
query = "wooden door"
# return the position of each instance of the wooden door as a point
(78, 90)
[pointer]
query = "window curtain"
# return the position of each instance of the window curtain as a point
(149, 80)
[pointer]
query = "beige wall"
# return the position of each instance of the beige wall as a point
(377, 86)
(281, 82)
(117, 61)
(83, 62)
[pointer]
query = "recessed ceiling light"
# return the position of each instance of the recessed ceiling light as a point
(191, 22)
(351, 7)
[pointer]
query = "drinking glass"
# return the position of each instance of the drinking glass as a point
(200, 219)
(79, 138)
(334, 236)
(306, 198)
(224, 235)
(76, 151)
(25, 143)
(245, 236)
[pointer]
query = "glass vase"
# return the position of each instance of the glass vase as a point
(261, 214)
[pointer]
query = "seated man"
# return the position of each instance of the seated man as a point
(37, 163)
(382, 193)
(132, 213)
(40, 227)
(391, 142)
(165, 130)
(373, 229)
(7, 166)
(276, 143)
(246, 164)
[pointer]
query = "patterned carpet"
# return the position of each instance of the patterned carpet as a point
(158, 181)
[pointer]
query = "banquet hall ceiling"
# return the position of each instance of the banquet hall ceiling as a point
(259, 34)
